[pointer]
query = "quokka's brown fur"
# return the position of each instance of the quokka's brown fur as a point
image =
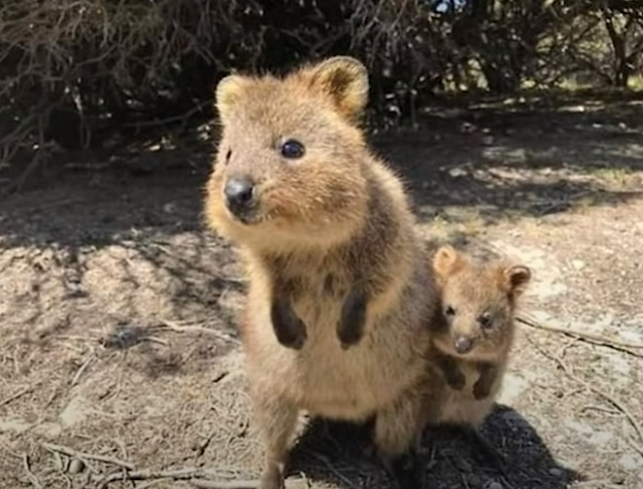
(478, 302)
(325, 218)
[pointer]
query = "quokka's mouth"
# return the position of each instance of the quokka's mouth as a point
(246, 218)
(244, 214)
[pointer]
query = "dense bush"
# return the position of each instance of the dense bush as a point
(76, 71)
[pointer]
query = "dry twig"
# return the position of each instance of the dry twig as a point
(198, 477)
(291, 483)
(19, 393)
(82, 368)
(596, 339)
(324, 460)
(178, 328)
(615, 401)
(208, 484)
(32, 477)
(89, 456)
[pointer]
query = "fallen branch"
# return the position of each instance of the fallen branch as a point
(208, 484)
(89, 456)
(178, 328)
(195, 476)
(20, 393)
(30, 475)
(291, 483)
(82, 368)
(615, 401)
(596, 339)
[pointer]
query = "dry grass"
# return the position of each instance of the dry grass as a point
(119, 355)
(95, 74)
(89, 59)
(73, 70)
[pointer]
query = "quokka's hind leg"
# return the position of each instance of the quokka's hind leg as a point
(396, 430)
(276, 420)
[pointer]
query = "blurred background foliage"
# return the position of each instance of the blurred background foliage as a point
(77, 74)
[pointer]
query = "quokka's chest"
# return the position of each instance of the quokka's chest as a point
(323, 283)
(471, 375)
(320, 290)
(318, 301)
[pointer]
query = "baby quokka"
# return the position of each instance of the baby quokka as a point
(472, 342)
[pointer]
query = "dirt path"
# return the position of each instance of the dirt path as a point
(117, 333)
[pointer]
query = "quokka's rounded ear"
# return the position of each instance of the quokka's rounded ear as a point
(517, 278)
(345, 80)
(446, 261)
(228, 92)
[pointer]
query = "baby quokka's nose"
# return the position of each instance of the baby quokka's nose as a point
(239, 194)
(463, 345)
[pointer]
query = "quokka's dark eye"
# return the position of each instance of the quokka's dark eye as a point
(228, 155)
(449, 311)
(292, 149)
(485, 320)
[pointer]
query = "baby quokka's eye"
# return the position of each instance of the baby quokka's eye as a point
(449, 311)
(484, 320)
(292, 149)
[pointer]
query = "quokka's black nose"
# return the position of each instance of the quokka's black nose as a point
(463, 344)
(239, 194)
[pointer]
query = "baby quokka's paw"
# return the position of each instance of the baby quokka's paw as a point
(457, 380)
(452, 373)
(481, 390)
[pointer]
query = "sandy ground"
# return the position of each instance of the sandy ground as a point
(118, 343)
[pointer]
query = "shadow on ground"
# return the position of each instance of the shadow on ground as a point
(524, 158)
(335, 453)
(127, 241)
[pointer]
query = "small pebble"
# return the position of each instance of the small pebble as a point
(578, 264)
(631, 461)
(457, 172)
(76, 466)
(556, 472)
(494, 485)
(60, 463)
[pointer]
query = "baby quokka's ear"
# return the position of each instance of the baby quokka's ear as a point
(515, 279)
(345, 80)
(228, 92)
(446, 262)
